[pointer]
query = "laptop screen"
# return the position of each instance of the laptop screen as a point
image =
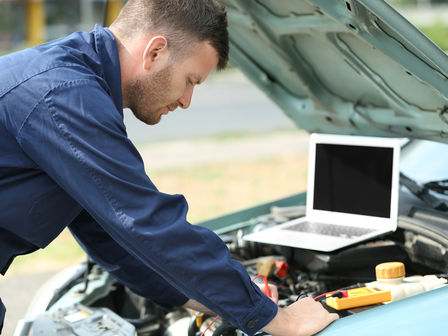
(353, 179)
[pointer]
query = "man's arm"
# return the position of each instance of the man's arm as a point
(77, 137)
(302, 318)
(121, 265)
(193, 304)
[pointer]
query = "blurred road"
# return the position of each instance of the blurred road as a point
(228, 103)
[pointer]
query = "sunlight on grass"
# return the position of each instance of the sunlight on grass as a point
(438, 33)
(214, 190)
(62, 252)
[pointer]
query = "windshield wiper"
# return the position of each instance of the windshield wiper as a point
(440, 187)
(426, 191)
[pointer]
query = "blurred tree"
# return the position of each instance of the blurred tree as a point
(12, 25)
(62, 17)
(403, 2)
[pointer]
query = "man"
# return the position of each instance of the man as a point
(66, 160)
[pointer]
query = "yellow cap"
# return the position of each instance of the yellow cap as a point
(390, 270)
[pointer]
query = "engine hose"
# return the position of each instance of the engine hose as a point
(193, 327)
(224, 330)
(142, 322)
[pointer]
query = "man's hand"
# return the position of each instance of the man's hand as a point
(302, 318)
(272, 290)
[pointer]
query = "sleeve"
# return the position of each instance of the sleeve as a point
(2, 315)
(141, 279)
(77, 136)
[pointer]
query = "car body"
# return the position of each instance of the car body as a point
(354, 67)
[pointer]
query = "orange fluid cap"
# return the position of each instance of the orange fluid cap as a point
(390, 270)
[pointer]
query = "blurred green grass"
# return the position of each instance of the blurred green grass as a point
(438, 33)
(216, 189)
(62, 252)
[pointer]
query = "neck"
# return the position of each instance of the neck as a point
(128, 61)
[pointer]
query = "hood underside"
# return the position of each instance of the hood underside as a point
(342, 66)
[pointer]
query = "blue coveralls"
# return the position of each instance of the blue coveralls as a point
(2, 315)
(66, 160)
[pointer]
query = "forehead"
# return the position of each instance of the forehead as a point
(202, 59)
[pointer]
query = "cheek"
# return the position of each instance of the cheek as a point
(177, 90)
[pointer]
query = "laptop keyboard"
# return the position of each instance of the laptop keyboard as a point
(342, 231)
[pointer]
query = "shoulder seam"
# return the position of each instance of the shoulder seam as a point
(45, 96)
(8, 89)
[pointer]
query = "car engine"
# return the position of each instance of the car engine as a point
(91, 302)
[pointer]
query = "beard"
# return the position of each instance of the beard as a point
(146, 97)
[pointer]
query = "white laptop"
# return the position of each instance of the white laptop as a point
(352, 194)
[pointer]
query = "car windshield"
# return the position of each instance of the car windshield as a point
(425, 161)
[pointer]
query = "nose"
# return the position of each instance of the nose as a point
(185, 100)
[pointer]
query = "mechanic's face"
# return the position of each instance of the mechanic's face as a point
(167, 85)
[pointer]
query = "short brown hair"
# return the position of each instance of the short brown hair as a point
(179, 21)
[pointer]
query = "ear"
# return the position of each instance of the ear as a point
(155, 51)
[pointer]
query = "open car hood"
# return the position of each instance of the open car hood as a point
(343, 66)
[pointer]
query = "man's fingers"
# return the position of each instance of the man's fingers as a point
(333, 317)
(274, 293)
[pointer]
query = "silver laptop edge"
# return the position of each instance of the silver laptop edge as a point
(278, 235)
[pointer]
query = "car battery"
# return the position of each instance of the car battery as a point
(80, 320)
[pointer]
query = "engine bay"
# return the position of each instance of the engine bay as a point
(91, 302)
